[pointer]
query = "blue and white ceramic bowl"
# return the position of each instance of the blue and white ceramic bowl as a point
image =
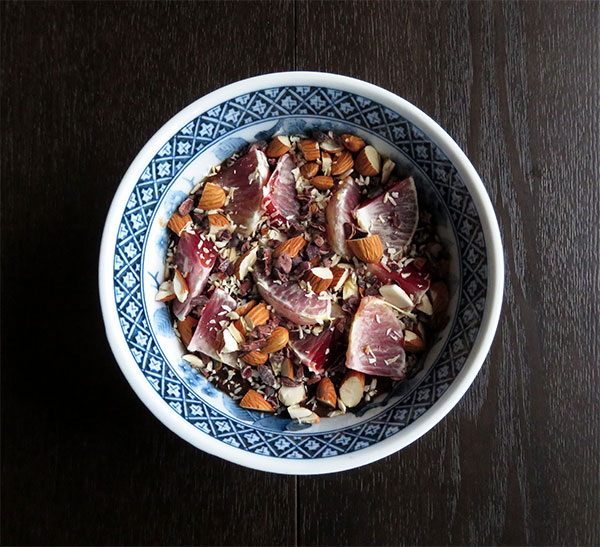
(133, 250)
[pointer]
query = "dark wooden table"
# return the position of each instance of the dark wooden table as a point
(85, 85)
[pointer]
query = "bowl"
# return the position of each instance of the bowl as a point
(140, 330)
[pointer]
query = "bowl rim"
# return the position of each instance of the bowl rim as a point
(495, 283)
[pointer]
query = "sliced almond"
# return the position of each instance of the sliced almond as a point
(186, 329)
(425, 305)
(368, 249)
(193, 360)
(310, 149)
(322, 182)
(238, 335)
(342, 163)
(319, 279)
(353, 143)
(303, 415)
(213, 197)
(292, 395)
(253, 400)
(326, 393)
(331, 146)
(245, 262)
(278, 146)
(165, 292)
(178, 223)
(351, 388)
(396, 296)
(229, 342)
(386, 170)
(340, 274)
(350, 287)
(255, 358)
(257, 316)
(243, 310)
(326, 162)
(413, 342)
(291, 247)
(215, 219)
(180, 286)
(240, 327)
(368, 162)
(278, 339)
(287, 368)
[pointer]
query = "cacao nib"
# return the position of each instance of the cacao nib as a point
(279, 275)
(251, 345)
(186, 206)
(349, 230)
(266, 375)
(327, 261)
(273, 243)
(351, 304)
(245, 287)
(224, 235)
(313, 380)
(288, 382)
(319, 241)
(312, 251)
(284, 263)
(246, 372)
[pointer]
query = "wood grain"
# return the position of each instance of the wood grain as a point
(516, 84)
(84, 85)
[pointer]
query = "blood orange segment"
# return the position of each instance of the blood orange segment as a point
(207, 336)
(339, 212)
(280, 200)
(194, 258)
(375, 340)
(312, 350)
(393, 215)
(293, 302)
(247, 177)
(413, 281)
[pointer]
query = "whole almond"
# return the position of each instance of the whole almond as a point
(253, 400)
(257, 316)
(309, 170)
(278, 339)
(213, 197)
(326, 393)
(310, 149)
(368, 249)
(215, 219)
(351, 388)
(255, 358)
(353, 143)
(342, 163)
(368, 162)
(322, 182)
(291, 247)
(278, 146)
(178, 223)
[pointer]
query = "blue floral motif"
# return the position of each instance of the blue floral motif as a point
(295, 110)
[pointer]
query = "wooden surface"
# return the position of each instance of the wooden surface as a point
(85, 85)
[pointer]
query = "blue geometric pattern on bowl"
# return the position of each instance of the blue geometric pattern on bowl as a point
(252, 431)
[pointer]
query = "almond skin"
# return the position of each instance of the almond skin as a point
(185, 329)
(326, 393)
(368, 249)
(245, 262)
(353, 143)
(322, 182)
(413, 342)
(246, 308)
(340, 275)
(178, 223)
(368, 162)
(215, 219)
(278, 146)
(319, 279)
(255, 358)
(278, 340)
(287, 369)
(326, 163)
(309, 170)
(255, 401)
(257, 316)
(342, 163)
(291, 247)
(310, 149)
(180, 286)
(213, 197)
